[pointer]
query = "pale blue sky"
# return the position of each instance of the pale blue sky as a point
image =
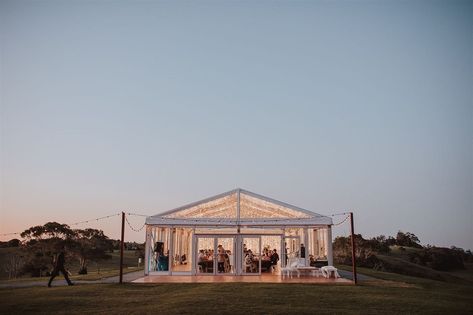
(328, 105)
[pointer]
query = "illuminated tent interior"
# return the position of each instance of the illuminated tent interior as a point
(237, 233)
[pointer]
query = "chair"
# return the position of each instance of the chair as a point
(327, 271)
(292, 267)
(251, 266)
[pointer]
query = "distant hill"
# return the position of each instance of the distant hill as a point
(405, 255)
(398, 261)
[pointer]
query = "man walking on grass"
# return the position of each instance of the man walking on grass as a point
(59, 267)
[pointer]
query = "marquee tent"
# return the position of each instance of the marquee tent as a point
(237, 233)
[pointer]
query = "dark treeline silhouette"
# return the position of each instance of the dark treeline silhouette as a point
(369, 251)
(41, 243)
(34, 254)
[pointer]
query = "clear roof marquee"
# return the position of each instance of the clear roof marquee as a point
(239, 207)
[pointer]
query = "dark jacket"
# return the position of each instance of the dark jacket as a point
(274, 258)
(60, 260)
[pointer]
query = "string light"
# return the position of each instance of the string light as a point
(339, 223)
(97, 219)
(134, 229)
(250, 207)
(219, 220)
(72, 224)
(139, 215)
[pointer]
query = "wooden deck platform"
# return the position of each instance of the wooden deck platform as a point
(246, 279)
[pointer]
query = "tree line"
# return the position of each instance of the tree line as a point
(40, 244)
(368, 250)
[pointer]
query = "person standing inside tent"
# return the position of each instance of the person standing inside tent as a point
(274, 259)
(221, 258)
(58, 264)
(285, 253)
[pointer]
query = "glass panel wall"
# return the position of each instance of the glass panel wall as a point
(182, 248)
(318, 247)
(251, 257)
(226, 255)
(294, 247)
(268, 230)
(150, 239)
(172, 250)
(205, 257)
(270, 258)
(159, 249)
(216, 230)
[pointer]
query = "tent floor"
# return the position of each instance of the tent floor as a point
(248, 279)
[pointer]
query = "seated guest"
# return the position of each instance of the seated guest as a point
(201, 260)
(251, 264)
(163, 262)
(184, 259)
(312, 260)
(265, 251)
(202, 255)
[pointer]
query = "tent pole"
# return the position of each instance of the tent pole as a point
(122, 245)
(353, 258)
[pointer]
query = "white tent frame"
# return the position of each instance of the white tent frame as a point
(308, 219)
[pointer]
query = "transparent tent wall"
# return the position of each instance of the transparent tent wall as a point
(182, 245)
(271, 242)
(159, 242)
(293, 241)
(150, 240)
(318, 244)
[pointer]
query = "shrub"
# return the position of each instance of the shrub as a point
(438, 258)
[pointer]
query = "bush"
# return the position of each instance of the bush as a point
(438, 258)
(365, 253)
(407, 239)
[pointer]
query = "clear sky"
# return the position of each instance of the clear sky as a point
(144, 106)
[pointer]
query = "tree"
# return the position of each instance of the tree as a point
(13, 264)
(11, 243)
(41, 242)
(439, 258)
(379, 244)
(90, 245)
(51, 230)
(364, 250)
(407, 239)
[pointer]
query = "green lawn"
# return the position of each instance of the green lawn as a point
(388, 293)
(400, 295)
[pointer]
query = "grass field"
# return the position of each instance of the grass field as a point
(388, 293)
(398, 295)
